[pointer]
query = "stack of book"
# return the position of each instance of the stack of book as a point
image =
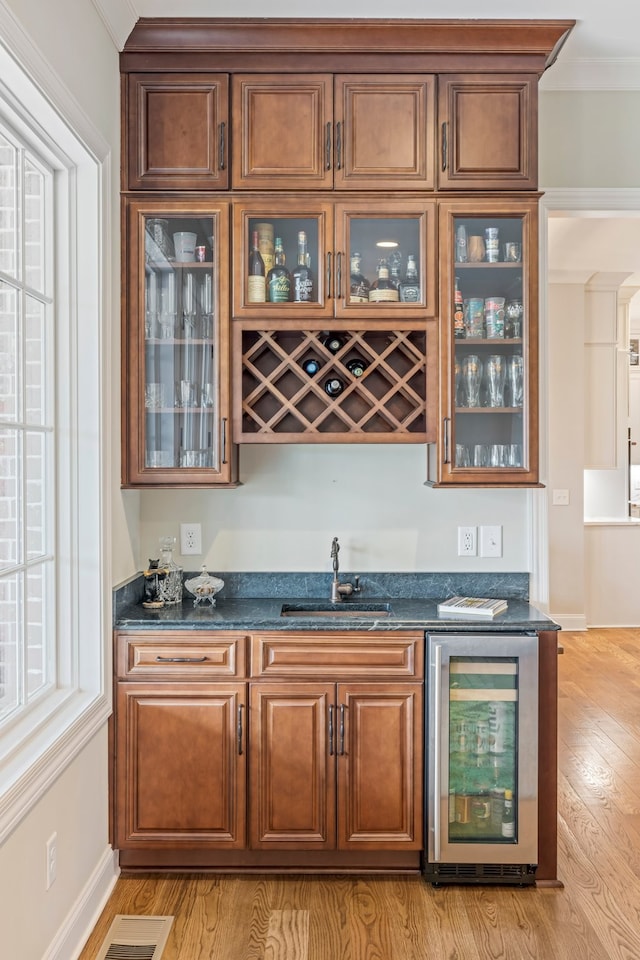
(468, 607)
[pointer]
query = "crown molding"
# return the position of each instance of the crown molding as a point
(119, 17)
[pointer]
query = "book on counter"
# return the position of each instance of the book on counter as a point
(471, 607)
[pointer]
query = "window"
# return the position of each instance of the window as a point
(27, 430)
(54, 592)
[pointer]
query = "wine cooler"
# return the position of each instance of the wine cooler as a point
(482, 749)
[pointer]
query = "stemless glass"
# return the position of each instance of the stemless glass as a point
(515, 380)
(472, 379)
(495, 372)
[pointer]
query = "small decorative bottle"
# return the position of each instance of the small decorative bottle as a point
(410, 284)
(302, 277)
(359, 285)
(171, 584)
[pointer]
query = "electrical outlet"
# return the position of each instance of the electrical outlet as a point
(190, 539)
(490, 541)
(467, 541)
(52, 859)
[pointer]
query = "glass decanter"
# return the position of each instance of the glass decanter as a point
(171, 583)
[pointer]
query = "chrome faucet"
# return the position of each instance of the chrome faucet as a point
(340, 590)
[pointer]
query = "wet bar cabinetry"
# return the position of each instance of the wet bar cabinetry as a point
(365, 144)
(266, 751)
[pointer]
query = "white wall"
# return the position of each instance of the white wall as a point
(76, 62)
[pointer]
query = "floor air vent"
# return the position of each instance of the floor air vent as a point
(135, 938)
(488, 873)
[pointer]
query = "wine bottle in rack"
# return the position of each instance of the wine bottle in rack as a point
(256, 282)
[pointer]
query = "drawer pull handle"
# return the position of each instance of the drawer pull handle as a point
(341, 735)
(181, 659)
(339, 146)
(240, 732)
(327, 147)
(221, 145)
(445, 158)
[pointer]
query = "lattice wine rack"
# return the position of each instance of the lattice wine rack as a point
(278, 402)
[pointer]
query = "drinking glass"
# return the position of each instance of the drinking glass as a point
(462, 455)
(514, 455)
(495, 372)
(476, 248)
(189, 304)
(472, 378)
(186, 393)
(481, 455)
(498, 455)
(154, 396)
(515, 380)
(458, 400)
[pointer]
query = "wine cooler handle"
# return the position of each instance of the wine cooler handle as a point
(327, 146)
(224, 440)
(447, 455)
(341, 732)
(328, 274)
(444, 147)
(338, 146)
(239, 729)
(338, 275)
(221, 145)
(331, 730)
(437, 733)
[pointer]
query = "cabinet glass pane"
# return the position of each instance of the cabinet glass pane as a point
(299, 257)
(385, 260)
(181, 389)
(483, 700)
(489, 330)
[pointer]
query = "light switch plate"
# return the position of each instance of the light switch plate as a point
(491, 541)
(561, 498)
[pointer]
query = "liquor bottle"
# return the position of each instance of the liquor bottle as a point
(410, 284)
(461, 244)
(279, 278)
(302, 278)
(394, 271)
(333, 342)
(382, 289)
(357, 366)
(256, 284)
(311, 366)
(508, 827)
(359, 289)
(333, 386)
(459, 329)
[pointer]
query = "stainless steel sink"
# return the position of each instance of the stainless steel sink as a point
(346, 608)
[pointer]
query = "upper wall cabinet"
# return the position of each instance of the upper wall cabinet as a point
(321, 132)
(177, 131)
(488, 132)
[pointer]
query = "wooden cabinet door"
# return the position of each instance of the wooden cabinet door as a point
(380, 763)
(177, 131)
(292, 766)
(488, 131)
(384, 132)
(281, 126)
(180, 765)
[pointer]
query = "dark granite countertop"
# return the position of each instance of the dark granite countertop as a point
(265, 614)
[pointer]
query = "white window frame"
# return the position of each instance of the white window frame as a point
(39, 745)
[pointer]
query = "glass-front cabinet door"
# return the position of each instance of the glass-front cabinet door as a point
(314, 259)
(489, 281)
(176, 410)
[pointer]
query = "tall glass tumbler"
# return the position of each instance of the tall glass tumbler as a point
(515, 380)
(472, 379)
(495, 372)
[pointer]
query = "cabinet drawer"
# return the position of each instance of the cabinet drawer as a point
(180, 655)
(338, 655)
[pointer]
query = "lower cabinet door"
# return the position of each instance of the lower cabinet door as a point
(292, 766)
(380, 751)
(180, 765)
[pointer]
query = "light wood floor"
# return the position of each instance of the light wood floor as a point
(596, 916)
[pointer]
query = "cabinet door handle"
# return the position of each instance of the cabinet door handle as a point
(224, 440)
(181, 659)
(331, 730)
(447, 455)
(338, 275)
(444, 147)
(239, 729)
(341, 734)
(327, 147)
(338, 146)
(221, 146)
(329, 275)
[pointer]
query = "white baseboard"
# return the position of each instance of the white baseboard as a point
(76, 929)
(570, 621)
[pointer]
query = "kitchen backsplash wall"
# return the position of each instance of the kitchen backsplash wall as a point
(295, 499)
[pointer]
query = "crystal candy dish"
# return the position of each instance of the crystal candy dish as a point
(204, 587)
